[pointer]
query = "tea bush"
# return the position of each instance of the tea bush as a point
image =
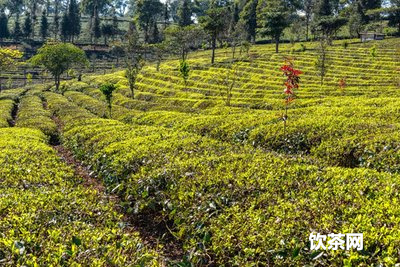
(49, 218)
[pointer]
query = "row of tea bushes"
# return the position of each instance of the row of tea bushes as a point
(6, 108)
(239, 206)
(47, 218)
(334, 133)
(32, 114)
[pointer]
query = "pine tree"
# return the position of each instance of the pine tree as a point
(17, 30)
(44, 25)
(28, 26)
(155, 35)
(248, 17)
(74, 19)
(96, 30)
(185, 13)
(115, 25)
(166, 12)
(4, 32)
(275, 16)
(56, 21)
(65, 27)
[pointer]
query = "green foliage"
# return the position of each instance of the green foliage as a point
(6, 107)
(33, 115)
(59, 221)
(44, 25)
(275, 16)
(107, 90)
(58, 58)
(184, 70)
(228, 182)
(372, 52)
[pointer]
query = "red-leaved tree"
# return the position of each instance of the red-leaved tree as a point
(291, 84)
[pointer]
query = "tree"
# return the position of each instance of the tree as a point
(107, 89)
(291, 84)
(44, 25)
(307, 7)
(248, 17)
(75, 19)
(8, 59)
(181, 39)
(227, 80)
(394, 15)
(93, 8)
(276, 18)
(184, 71)
(58, 58)
(115, 30)
(133, 60)
(56, 21)
(4, 32)
(96, 30)
(166, 13)
(326, 21)
(28, 26)
(65, 27)
(146, 15)
(214, 22)
(107, 30)
(17, 30)
(321, 64)
(160, 51)
(357, 19)
(185, 13)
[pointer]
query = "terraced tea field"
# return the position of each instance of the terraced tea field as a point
(225, 184)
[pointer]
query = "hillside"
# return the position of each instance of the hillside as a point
(218, 184)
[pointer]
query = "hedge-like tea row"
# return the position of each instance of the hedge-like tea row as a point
(32, 114)
(6, 107)
(238, 206)
(48, 219)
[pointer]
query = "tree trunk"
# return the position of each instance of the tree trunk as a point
(277, 45)
(57, 82)
(307, 22)
(213, 44)
(131, 86)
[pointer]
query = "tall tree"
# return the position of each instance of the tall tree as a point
(96, 30)
(134, 57)
(115, 25)
(57, 58)
(44, 25)
(180, 39)
(217, 19)
(166, 13)
(4, 31)
(93, 8)
(56, 21)
(65, 27)
(75, 19)
(185, 13)
(27, 26)
(107, 30)
(248, 18)
(326, 21)
(307, 6)
(275, 18)
(17, 34)
(146, 15)
(394, 15)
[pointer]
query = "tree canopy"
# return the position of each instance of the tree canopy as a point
(58, 58)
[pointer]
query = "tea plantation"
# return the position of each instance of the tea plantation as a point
(228, 184)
